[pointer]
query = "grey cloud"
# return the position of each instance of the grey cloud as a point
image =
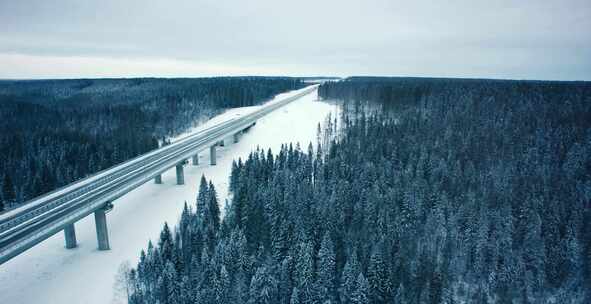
(504, 39)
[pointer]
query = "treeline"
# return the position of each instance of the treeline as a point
(53, 132)
(471, 191)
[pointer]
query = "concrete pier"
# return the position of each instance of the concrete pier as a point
(212, 157)
(102, 234)
(70, 234)
(195, 159)
(236, 137)
(158, 179)
(180, 174)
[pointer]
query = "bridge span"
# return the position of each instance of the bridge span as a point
(44, 216)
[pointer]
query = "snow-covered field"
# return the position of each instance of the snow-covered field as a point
(48, 273)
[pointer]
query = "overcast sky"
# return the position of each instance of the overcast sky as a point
(520, 39)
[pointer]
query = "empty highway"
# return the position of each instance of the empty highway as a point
(30, 224)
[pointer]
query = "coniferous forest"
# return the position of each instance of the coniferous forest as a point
(54, 132)
(453, 191)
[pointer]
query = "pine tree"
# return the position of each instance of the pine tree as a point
(327, 270)
(224, 288)
(171, 292)
(234, 173)
(378, 277)
(574, 251)
(263, 287)
(349, 279)
(295, 296)
(186, 296)
(241, 289)
(202, 199)
(280, 237)
(165, 243)
(361, 293)
(285, 282)
(304, 273)
(533, 250)
(213, 208)
(207, 282)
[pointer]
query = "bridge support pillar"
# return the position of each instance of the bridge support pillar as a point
(180, 174)
(195, 159)
(212, 157)
(102, 234)
(221, 143)
(158, 179)
(70, 234)
(237, 136)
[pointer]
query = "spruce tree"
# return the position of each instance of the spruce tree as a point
(263, 287)
(327, 270)
(213, 208)
(295, 296)
(224, 288)
(361, 293)
(349, 279)
(202, 199)
(304, 273)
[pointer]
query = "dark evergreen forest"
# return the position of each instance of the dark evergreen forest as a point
(456, 191)
(53, 132)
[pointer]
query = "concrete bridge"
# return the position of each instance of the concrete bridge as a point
(42, 217)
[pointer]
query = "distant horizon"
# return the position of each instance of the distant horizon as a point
(291, 76)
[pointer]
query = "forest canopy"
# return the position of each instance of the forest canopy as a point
(457, 191)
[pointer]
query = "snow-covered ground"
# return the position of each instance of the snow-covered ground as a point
(48, 273)
(236, 113)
